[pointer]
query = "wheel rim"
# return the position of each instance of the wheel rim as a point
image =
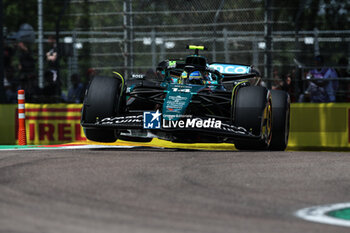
(267, 123)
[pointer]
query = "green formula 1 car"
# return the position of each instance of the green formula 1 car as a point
(188, 101)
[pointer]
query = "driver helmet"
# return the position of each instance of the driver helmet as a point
(195, 75)
(196, 78)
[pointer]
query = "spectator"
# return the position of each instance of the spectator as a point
(8, 66)
(50, 92)
(287, 85)
(51, 58)
(26, 68)
(10, 92)
(277, 82)
(321, 87)
(76, 92)
(344, 86)
(10, 84)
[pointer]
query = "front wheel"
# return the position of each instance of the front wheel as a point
(280, 120)
(101, 100)
(253, 111)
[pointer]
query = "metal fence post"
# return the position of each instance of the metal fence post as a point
(255, 48)
(268, 42)
(214, 33)
(131, 37)
(227, 57)
(153, 49)
(162, 51)
(2, 89)
(348, 57)
(69, 73)
(316, 44)
(40, 44)
(126, 37)
(75, 54)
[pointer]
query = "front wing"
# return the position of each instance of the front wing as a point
(209, 126)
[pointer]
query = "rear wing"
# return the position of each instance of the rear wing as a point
(235, 71)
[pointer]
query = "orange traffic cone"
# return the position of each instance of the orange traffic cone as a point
(22, 139)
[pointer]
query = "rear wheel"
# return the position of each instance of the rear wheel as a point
(280, 120)
(253, 111)
(101, 100)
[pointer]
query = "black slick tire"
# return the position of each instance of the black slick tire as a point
(280, 120)
(101, 100)
(252, 111)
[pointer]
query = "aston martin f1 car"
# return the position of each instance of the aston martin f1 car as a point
(188, 101)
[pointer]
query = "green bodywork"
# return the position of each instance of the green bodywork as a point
(179, 96)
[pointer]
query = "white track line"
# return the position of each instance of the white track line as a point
(90, 147)
(71, 147)
(318, 214)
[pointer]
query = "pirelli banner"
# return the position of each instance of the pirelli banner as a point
(311, 126)
(45, 123)
(325, 125)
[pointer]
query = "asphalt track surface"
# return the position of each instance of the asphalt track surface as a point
(166, 190)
